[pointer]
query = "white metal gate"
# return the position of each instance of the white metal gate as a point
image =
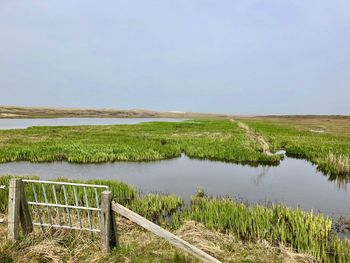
(62, 204)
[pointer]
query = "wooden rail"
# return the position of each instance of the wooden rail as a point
(157, 230)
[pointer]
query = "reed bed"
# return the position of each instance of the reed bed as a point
(337, 164)
(158, 208)
(301, 231)
(330, 151)
(203, 139)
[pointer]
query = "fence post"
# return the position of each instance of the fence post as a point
(108, 229)
(25, 217)
(14, 209)
(1, 188)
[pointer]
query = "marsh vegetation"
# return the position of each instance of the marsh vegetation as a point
(299, 231)
(249, 141)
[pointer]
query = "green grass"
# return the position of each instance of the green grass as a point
(203, 139)
(330, 151)
(219, 139)
(299, 230)
(278, 225)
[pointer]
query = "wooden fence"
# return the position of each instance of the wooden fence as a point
(19, 214)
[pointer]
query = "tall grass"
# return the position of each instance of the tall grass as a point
(158, 208)
(204, 139)
(329, 151)
(299, 230)
(336, 164)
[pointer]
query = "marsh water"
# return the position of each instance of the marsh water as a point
(294, 182)
(6, 124)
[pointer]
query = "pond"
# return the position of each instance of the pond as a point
(6, 124)
(294, 182)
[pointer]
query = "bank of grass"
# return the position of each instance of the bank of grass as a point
(213, 139)
(274, 227)
(329, 149)
(218, 139)
(278, 225)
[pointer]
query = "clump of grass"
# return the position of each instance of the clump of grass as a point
(279, 225)
(338, 163)
(158, 208)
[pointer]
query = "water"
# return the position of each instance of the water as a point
(294, 182)
(6, 124)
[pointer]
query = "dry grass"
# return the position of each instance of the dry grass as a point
(257, 138)
(11, 112)
(137, 245)
(228, 249)
(328, 124)
(340, 162)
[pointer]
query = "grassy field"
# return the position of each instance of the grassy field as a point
(323, 141)
(220, 140)
(219, 225)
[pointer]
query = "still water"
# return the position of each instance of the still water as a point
(6, 124)
(294, 182)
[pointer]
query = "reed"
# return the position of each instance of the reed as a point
(203, 139)
(301, 231)
(298, 230)
(330, 151)
(337, 164)
(158, 208)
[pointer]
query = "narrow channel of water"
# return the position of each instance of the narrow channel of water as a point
(6, 124)
(294, 182)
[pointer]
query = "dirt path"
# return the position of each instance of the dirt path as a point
(255, 137)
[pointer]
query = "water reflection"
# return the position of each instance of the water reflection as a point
(263, 173)
(294, 182)
(342, 181)
(6, 124)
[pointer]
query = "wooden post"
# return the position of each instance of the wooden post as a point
(25, 217)
(14, 209)
(108, 234)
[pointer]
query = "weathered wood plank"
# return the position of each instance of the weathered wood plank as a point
(14, 209)
(2, 187)
(108, 229)
(157, 230)
(25, 217)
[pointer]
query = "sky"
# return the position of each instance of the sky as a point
(223, 56)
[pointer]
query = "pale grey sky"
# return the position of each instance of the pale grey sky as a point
(240, 57)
